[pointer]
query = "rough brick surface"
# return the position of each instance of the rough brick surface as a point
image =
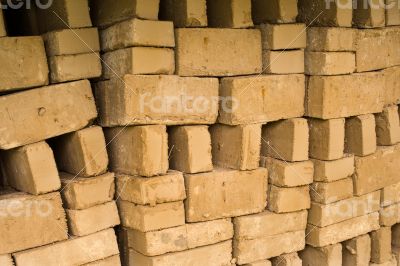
(327, 14)
(185, 13)
(6, 260)
(392, 91)
(291, 259)
(360, 137)
(390, 194)
(328, 171)
(357, 251)
(330, 39)
(229, 14)
(392, 13)
(369, 14)
(390, 215)
(326, 193)
(283, 200)
(388, 126)
(328, 256)
(283, 36)
(274, 11)
(283, 62)
(381, 247)
(329, 63)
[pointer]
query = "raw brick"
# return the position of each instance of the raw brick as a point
(283, 36)
(360, 134)
(283, 200)
(390, 195)
(207, 233)
(392, 13)
(157, 99)
(388, 126)
(328, 171)
(184, 13)
(283, 62)
(393, 37)
(392, 87)
(110, 261)
(138, 150)
(225, 193)
(259, 263)
(190, 149)
(229, 14)
(327, 256)
(6, 260)
(390, 215)
(274, 11)
(291, 259)
(31, 169)
(391, 262)
(326, 193)
(236, 147)
(3, 31)
(369, 14)
(326, 14)
(208, 52)
(381, 248)
(357, 251)
(329, 63)
(330, 39)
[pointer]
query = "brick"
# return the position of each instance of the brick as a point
(3, 31)
(236, 147)
(395, 236)
(139, 150)
(208, 52)
(327, 138)
(391, 262)
(393, 37)
(288, 174)
(151, 191)
(24, 63)
(328, 256)
(136, 100)
(138, 32)
(207, 233)
(190, 149)
(283, 36)
(329, 63)
(326, 14)
(355, 99)
(110, 261)
(392, 91)
(187, 13)
(31, 169)
(259, 263)
(270, 97)
(388, 126)
(216, 195)
(71, 41)
(229, 14)
(360, 135)
(339, 232)
(291, 259)
(286, 140)
(392, 13)
(275, 11)
(381, 248)
(39, 220)
(390, 194)
(326, 193)
(81, 193)
(283, 200)
(390, 215)
(75, 251)
(330, 39)
(357, 251)
(328, 171)
(6, 259)
(283, 62)
(369, 14)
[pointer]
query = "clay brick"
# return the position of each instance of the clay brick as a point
(353, 99)
(329, 63)
(151, 191)
(274, 11)
(190, 149)
(288, 174)
(38, 221)
(326, 14)
(360, 134)
(229, 14)
(392, 86)
(381, 248)
(208, 52)
(3, 31)
(370, 14)
(207, 233)
(146, 218)
(391, 262)
(138, 32)
(390, 215)
(184, 13)
(328, 171)
(77, 251)
(139, 150)
(392, 13)
(357, 251)
(326, 193)
(6, 259)
(326, 138)
(283, 62)
(388, 126)
(393, 37)
(82, 193)
(390, 195)
(259, 263)
(330, 39)
(136, 100)
(71, 41)
(286, 140)
(291, 259)
(225, 193)
(110, 261)
(282, 200)
(283, 36)
(24, 63)
(31, 169)
(317, 256)
(395, 236)
(236, 147)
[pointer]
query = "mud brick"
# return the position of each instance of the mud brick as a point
(326, 14)
(360, 135)
(31, 169)
(330, 39)
(137, 100)
(317, 256)
(327, 138)
(392, 13)
(110, 261)
(328, 171)
(283, 62)
(283, 200)
(190, 149)
(275, 11)
(396, 235)
(259, 263)
(208, 52)
(291, 259)
(3, 31)
(6, 259)
(381, 248)
(390, 215)
(138, 32)
(390, 194)
(225, 193)
(326, 193)
(186, 13)
(392, 91)
(393, 37)
(329, 63)
(391, 262)
(388, 126)
(286, 140)
(38, 221)
(207, 233)
(283, 36)
(140, 150)
(353, 99)
(81, 193)
(236, 147)
(370, 14)
(357, 251)
(151, 191)
(229, 14)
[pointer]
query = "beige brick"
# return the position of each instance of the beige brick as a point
(283, 36)
(137, 100)
(357, 251)
(236, 147)
(225, 193)
(186, 13)
(392, 13)
(393, 37)
(381, 248)
(390, 194)
(6, 259)
(328, 171)
(31, 169)
(329, 63)
(138, 32)
(326, 14)
(330, 39)
(392, 86)
(283, 62)
(395, 236)
(37, 220)
(190, 149)
(139, 150)
(282, 200)
(360, 135)
(75, 251)
(82, 193)
(110, 261)
(259, 263)
(353, 99)
(370, 14)
(274, 11)
(326, 193)
(207, 233)
(3, 31)
(151, 191)
(208, 52)
(45, 109)
(317, 256)
(291, 259)
(390, 215)
(229, 14)
(388, 126)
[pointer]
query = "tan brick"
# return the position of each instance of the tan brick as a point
(326, 193)
(283, 62)
(138, 32)
(31, 169)
(186, 13)
(3, 31)
(329, 63)
(283, 36)
(392, 13)
(259, 263)
(190, 149)
(317, 256)
(207, 233)
(45, 109)
(330, 39)
(291, 259)
(274, 11)
(381, 248)
(328, 171)
(392, 86)
(360, 135)
(327, 14)
(6, 259)
(395, 236)
(82, 193)
(208, 52)
(225, 193)
(236, 147)
(139, 150)
(137, 100)
(388, 126)
(282, 200)
(390, 194)
(370, 14)
(353, 99)
(110, 261)
(393, 38)
(357, 251)
(390, 215)
(229, 14)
